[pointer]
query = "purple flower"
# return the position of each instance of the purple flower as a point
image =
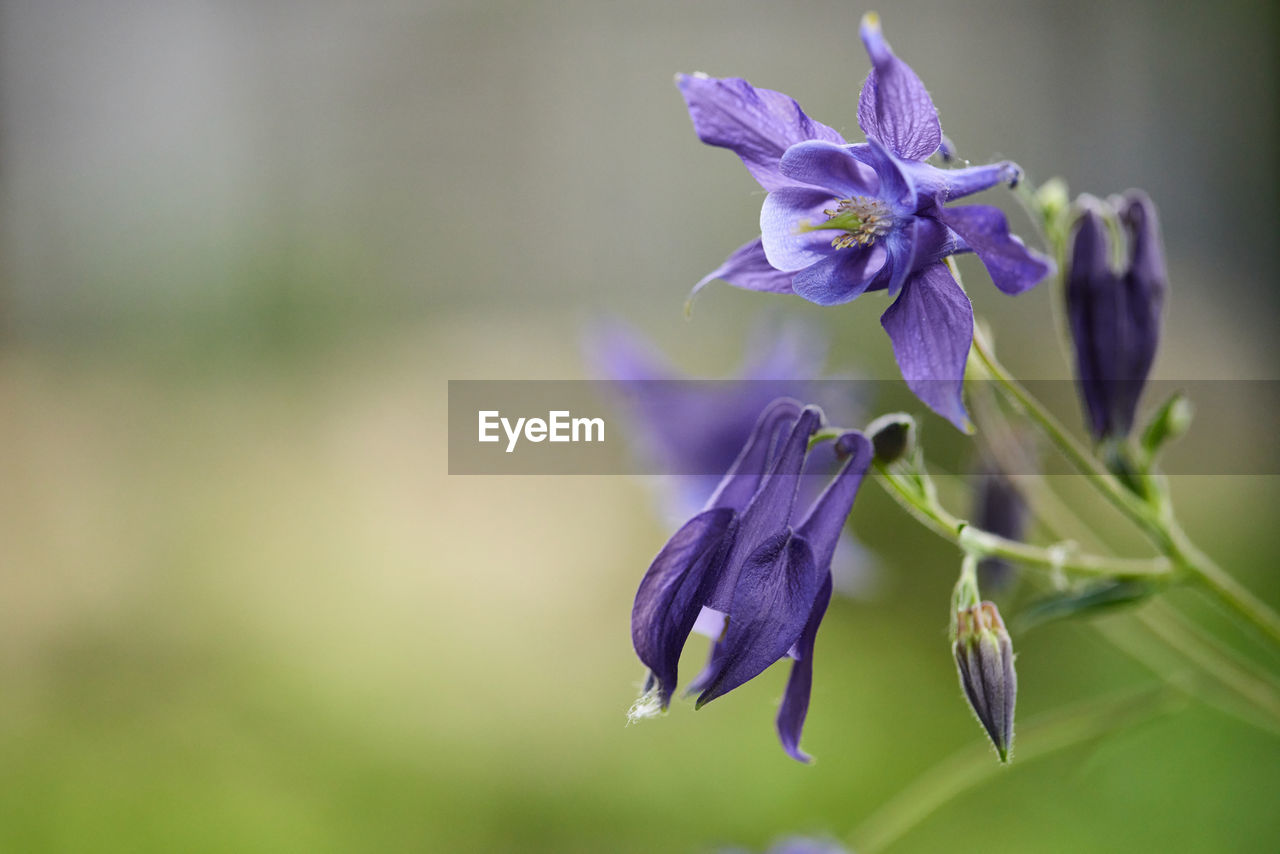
(1114, 314)
(843, 219)
(742, 566)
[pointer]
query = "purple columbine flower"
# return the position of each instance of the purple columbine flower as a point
(742, 565)
(843, 219)
(1114, 313)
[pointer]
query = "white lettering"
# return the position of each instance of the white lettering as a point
(487, 423)
(559, 424)
(513, 436)
(586, 424)
(535, 430)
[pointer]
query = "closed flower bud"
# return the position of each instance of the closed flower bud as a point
(1114, 312)
(984, 657)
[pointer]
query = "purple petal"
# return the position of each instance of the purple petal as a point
(1013, 267)
(756, 124)
(948, 184)
(739, 484)
(931, 327)
(901, 246)
(840, 277)
(769, 511)
(795, 699)
(776, 590)
(826, 518)
(671, 594)
(894, 107)
(748, 268)
(786, 245)
(896, 186)
(830, 166)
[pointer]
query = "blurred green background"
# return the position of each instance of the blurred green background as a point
(245, 245)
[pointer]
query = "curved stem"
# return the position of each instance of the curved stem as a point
(984, 543)
(966, 769)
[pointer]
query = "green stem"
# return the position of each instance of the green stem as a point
(1163, 530)
(966, 769)
(978, 542)
(1084, 462)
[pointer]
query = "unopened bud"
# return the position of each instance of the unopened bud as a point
(892, 436)
(1170, 422)
(984, 657)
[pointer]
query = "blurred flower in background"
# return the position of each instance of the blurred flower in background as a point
(688, 431)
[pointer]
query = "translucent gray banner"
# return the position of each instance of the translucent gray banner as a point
(697, 427)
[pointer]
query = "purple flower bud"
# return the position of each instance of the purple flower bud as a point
(984, 657)
(1114, 313)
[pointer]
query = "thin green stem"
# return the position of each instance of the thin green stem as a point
(1257, 688)
(1079, 457)
(982, 543)
(966, 769)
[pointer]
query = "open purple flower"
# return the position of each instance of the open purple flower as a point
(844, 219)
(743, 565)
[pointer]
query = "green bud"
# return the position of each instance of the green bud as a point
(1170, 422)
(984, 659)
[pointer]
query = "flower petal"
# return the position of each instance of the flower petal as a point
(776, 590)
(769, 511)
(756, 124)
(931, 327)
(1013, 267)
(786, 245)
(825, 520)
(896, 186)
(672, 591)
(840, 277)
(894, 106)
(795, 699)
(748, 268)
(821, 529)
(948, 184)
(743, 478)
(829, 166)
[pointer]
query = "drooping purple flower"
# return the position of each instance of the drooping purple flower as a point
(742, 558)
(1114, 313)
(844, 219)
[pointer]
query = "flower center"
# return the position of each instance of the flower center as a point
(861, 218)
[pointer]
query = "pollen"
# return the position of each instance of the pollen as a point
(862, 219)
